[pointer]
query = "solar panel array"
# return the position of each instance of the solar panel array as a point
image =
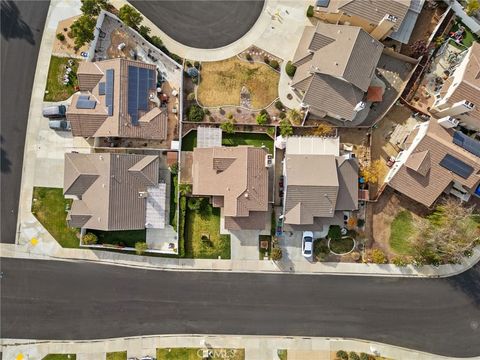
(84, 102)
(101, 88)
(467, 143)
(140, 81)
(109, 91)
(456, 166)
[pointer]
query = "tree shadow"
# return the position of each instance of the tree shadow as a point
(12, 26)
(5, 163)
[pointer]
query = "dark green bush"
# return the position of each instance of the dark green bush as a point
(290, 69)
(334, 232)
(60, 37)
(248, 57)
(352, 355)
(342, 355)
(195, 113)
(310, 11)
(279, 105)
(274, 64)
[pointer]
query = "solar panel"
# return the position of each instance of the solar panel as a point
(101, 88)
(139, 82)
(456, 166)
(152, 79)
(84, 97)
(109, 90)
(467, 143)
(86, 104)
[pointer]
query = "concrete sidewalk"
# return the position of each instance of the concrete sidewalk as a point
(256, 347)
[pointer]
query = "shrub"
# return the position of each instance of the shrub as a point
(61, 37)
(400, 261)
(196, 64)
(320, 249)
(352, 355)
(266, 59)
(144, 30)
(334, 232)
(360, 222)
(342, 355)
(195, 80)
(279, 105)
(271, 131)
(276, 253)
(188, 63)
(274, 64)
(378, 257)
(230, 116)
(228, 127)
(310, 11)
(82, 30)
(282, 115)
(191, 96)
(206, 111)
(290, 69)
(130, 16)
(365, 356)
(89, 239)
(156, 41)
(262, 119)
(286, 128)
(248, 57)
(195, 113)
(140, 247)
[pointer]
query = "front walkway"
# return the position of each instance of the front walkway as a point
(256, 347)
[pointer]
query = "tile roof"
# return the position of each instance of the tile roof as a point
(422, 178)
(98, 122)
(236, 174)
(319, 185)
(336, 64)
(372, 10)
(109, 194)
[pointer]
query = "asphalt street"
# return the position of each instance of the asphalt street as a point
(71, 300)
(22, 24)
(205, 24)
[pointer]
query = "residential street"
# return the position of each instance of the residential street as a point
(22, 29)
(202, 24)
(65, 300)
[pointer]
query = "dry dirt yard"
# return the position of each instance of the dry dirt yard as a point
(222, 81)
(66, 47)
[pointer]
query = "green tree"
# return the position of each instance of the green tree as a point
(276, 254)
(184, 189)
(144, 30)
(310, 11)
(294, 116)
(141, 247)
(93, 7)
(334, 232)
(286, 128)
(228, 127)
(262, 119)
(130, 16)
(343, 355)
(195, 113)
(274, 64)
(290, 69)
(60, 37)
(156, 41)
(472, 7)
(82, 30)
(352, 355)
(89, 239)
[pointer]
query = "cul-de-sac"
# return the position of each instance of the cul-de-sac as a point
(240, 180)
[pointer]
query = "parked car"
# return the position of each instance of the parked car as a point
(60, 125)
(55, 111)
(307, 244)
(147, 358)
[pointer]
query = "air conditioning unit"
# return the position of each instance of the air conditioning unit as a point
(392, 18)
(448, 122)
(469, 104)
(268, 161)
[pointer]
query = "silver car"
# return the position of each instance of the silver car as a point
(307, 245)
(60, 125)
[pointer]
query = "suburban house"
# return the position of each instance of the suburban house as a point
(380, 18)
(459, 98)
(114, 191)
(321, 185)
(436, 160)
(335, 68)
(118, 99)
(236, 179)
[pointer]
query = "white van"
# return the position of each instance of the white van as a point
(55, 111)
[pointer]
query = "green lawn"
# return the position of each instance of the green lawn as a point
(468, 37)
(119, 355)
(60, 357)
(341, 246)
(189, 142)
(57, 91)
(207, 223)
(196, 354)
(126, 238)
(401, 231)
(49, 207)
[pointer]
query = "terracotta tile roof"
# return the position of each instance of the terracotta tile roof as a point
(108, 197)
(372, 11)
(236, 174)
(97, 122)
(422, 178)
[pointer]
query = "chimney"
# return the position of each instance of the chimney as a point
(384, 27)
(458, 108)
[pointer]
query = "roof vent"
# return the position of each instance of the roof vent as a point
(246, 195)
(142, 194)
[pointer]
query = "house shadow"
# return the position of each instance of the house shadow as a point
(12, 26)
